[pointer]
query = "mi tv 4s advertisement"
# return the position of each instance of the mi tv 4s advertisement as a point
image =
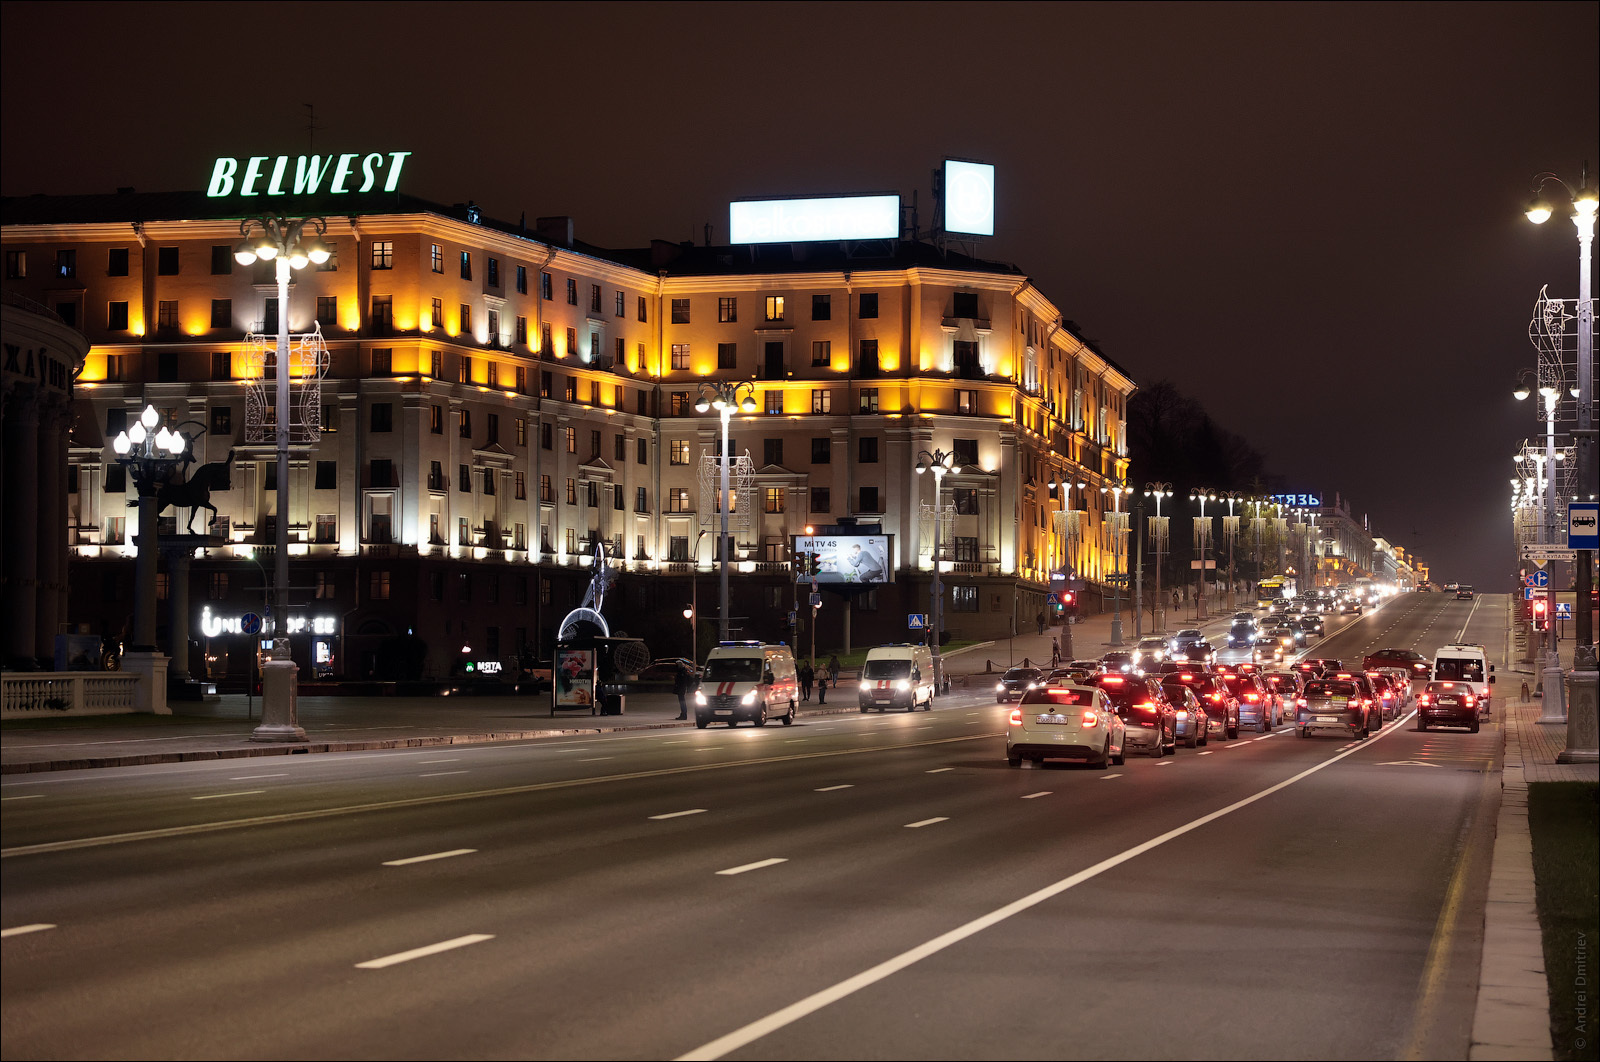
(861, 560)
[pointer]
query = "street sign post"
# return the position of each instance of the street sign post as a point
(1583, 525)
(1563, 610)
(1540, 579)
(250, 623)
(1540, 554)
(917, 621)
(816, 600)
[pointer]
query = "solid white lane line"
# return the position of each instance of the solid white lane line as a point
(746, 868)
(939, 770)
(833, 788)
(219, 796)
(253, 777)
(25, 796)
(430, 857)
(756, 1030)
(678, 814)
(926, 822)
(1036, 796)
(17, 931)
(420, 953)
(439, 774)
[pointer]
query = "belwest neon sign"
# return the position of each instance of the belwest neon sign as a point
(308, 174)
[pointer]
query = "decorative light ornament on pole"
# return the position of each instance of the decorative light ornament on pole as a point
(1158, 539)
(938, 462)
(1230, 531)
(725, 398)
(150, 456)
(281, 240)
(1585, 203)
(1116, 520)
(1202, 538)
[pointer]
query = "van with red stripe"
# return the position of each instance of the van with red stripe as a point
(897, 676)
(746, 680)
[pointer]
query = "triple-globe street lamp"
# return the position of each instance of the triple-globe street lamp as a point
(938, 462)
(150, 455)
(726, 398)
(1202, 495)
(1116, 490)
(1160, 492)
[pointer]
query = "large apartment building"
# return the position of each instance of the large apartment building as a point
(502, 398)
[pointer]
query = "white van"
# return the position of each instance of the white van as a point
(897, 676)
(746, 680)
(1466, 663)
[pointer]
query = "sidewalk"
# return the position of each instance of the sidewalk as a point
(1513, 1012)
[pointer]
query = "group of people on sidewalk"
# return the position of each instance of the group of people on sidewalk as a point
(685, 681)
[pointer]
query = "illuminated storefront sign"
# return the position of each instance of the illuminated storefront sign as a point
(306, 174)
(1302, 501)
(853, 217)
(213, 625)
(968, 197)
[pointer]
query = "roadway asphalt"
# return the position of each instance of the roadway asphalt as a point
(852, 887)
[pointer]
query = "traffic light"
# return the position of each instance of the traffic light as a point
(815, 567)
(1541, 613)
(1069, 602)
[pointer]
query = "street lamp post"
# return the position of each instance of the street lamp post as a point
(938, 462)
(1203, 533)
(1116, 490)
(281, 241)
(1160, 492)
(150, 455)
(1230, 527)
(725, 398)
(1585, 202)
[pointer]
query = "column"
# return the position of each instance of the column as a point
(21, 560)
(51, 533)
(178, 609)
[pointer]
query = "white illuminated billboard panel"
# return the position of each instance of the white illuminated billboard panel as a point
(968, 197)
(853, 217)
(858, 560)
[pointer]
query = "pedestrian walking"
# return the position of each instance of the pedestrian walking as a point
(1039, 619)
(1055, 653)
(807, 677)
(681, 685)
(833, 669)
(822, 688)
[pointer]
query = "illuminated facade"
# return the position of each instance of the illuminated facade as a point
(501, 397)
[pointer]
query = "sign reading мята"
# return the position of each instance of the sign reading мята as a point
(310, 172)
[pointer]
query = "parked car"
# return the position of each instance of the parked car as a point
(1447, 704)
(1151, 721)
(1015, 682)
(1191, 714)
(1065, 723)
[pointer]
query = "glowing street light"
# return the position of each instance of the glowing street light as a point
(725, 398)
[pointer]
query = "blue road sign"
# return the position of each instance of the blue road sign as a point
(250, 623)
(1527, 593)
(1583, 525)
(1053, 598)
(1540, 579)
(1563, 610)
(917, 621)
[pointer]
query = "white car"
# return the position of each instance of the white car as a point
(1065, 723)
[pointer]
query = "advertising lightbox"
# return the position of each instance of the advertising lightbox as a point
(851, 217)
(861, 560)
(968, 197)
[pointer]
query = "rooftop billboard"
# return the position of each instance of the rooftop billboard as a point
(852, 217)
(968, 197)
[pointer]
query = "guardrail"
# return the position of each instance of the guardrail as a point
(32, 695)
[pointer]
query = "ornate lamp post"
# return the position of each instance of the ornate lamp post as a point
(281, 240)
(1202, 538)
(938, 462)
(150, 457)
(725, 398)
(1230, 528)
(1158, 535)
(1116, 490)
(1585, 203)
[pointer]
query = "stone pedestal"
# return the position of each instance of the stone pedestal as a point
(1554, 709)
(150, 695)
(280, 702)
(1583, 728)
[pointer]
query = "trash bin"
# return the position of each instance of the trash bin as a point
(614, 704)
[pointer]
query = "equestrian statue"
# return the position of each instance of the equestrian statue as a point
(195, 492)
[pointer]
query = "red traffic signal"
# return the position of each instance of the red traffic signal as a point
(1541, 614)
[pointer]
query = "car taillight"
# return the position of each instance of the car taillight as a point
(1016, 717)
(1251, 697)
(1090, 719)
(1216, 697)
(1470, 700)
(1299, 702)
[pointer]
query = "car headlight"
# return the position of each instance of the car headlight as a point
(999, 687)
(699, 698)
(903, 684)
(749, 698)
(865, 685)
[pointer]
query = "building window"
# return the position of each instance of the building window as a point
(545, 291)
(570, 388)
(772, 401)
(221, 260)
(727, 310)
(464, 479)
(866, 602)
(222, 419)
(545, 343)
(821, 353)
(463, 533)
(546, 491)
(382, 317)
(436, 258)
(966, 549)
(821, 500)
(680, 355)
(591, 494)
(493, 272)
(380, 473)
(822, 307)
(489, 477)
(167, 313)
(522, 280)
(570, 435)
(494, 328)
(17, 264)
(522, 422)
(772, 451)
(869, 400)
(464, 369)
(621, 305)
(521, 486)
(378, 586)
(166, 261)
(594, 298)
(727, 355)
(966, 501)
(642, 451)
(217, 586)
(867, 364)
(869, 500)
(465, 319)
(117, 317)
(678, 403)
(492, 429)
(383, 361)
(572, 491)
(678, 452)
(680, 311)
(572, 291)
(116, 262)
(572, 342)
(678, 549)
(327, 475)
(867, 450)
(963, 599)
(774, 307)
(821, 401)
(464, 427)
(382, 416)
(966, 304)
(773, 499)
(869, 305)
(327, 531)
(966, 451)
(221, 313)
(116, 479)
(644, 309)
(677, 500)
(466, 265)
(327, 310)
(383, 254)
(522, 330)
(436, 420)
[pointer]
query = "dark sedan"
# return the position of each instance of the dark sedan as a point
(1015, 682)
(1447, 704)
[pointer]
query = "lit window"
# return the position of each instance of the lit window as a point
(680, 355)
(774, 307)
(383, 254)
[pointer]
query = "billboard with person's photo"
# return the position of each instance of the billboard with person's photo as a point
(853, 559)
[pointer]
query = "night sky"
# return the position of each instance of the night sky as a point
(1306, 216)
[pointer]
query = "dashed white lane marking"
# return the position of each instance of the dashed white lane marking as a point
(420, 953)
(25, 796)
(678, 814)
(35, 927)
(253, 777)
(1108, 777)
(927, 822)
(747, 867)
(1236, 745)
(1206, 753)
(596, 759)
(429, 857)
(452, 759)
(972, 722)
(939, 770)
(219, 796)
(439, 774)
(833, 788)
(1036, 796)
(1164, 763)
